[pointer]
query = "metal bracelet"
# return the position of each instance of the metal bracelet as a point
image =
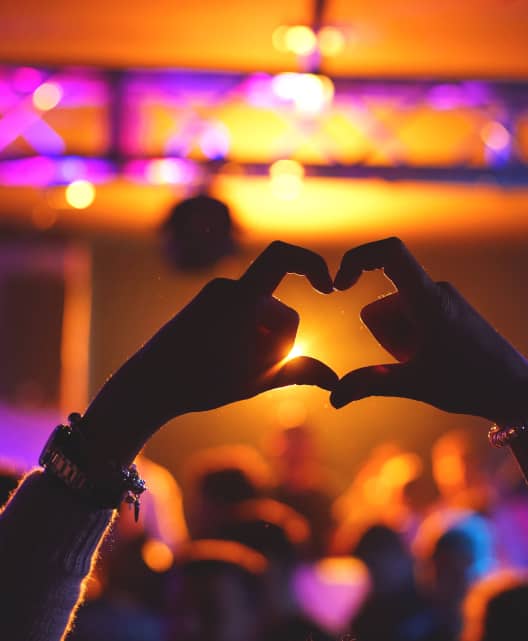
(62, 457)
(502, 436)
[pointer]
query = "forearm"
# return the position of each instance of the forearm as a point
(48, 541)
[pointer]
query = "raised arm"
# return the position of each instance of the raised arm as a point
(228, 344)
(448, 355)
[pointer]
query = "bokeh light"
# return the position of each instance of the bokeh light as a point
(47, 96)
(331, 41)
(286, 182)
(310, 93)
(297, 350)
(164, 171)
(279, 38)
(215, 141)
(157, 555)
(300, 40)
(80, 194)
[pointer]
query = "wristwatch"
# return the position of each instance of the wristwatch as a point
(103, 483)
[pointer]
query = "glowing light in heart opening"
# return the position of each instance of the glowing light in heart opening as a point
(298, 349)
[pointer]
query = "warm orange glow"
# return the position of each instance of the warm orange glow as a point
(300, 40)
(76, 319)
(80, 194)
(157, 555)
(297, 350)
(228, 551)
(337, 570)
(331, 41)
(449, 470)
(286, 179)
(47, 96)
(401, 469)
(279, 38)
(291, 412)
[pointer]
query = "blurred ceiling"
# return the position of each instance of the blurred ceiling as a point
(386, 37)
(466, 39)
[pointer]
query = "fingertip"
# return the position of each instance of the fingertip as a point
(327, 287)
(336, 401)
(345, 281)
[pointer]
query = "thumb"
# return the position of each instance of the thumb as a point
(377, 380)
(305, 370)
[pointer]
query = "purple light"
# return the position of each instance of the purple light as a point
(36, 172)
(42, 171)
(258, 90)
(445, 97)
(468, 94)
(26, 79)
(162, 171)
(44, 139)
(215, 142)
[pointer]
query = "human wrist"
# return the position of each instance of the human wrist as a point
(125, 413)
(512, 404)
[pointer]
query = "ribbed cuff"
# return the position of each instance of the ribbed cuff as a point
(50, 523)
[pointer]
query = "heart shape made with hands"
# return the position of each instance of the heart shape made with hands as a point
(388, 319)
(447, 354)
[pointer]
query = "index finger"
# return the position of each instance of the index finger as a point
(278, 259)
(391, 255)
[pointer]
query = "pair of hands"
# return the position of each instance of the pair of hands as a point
(230, 343)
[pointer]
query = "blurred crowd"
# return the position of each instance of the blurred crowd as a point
(260, 547)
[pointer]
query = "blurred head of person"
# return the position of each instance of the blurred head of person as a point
(496, 608)
(218, 479)
(281, 535)
(454, 548)
(463, 469)
(215, 592)
(198, 233)
(387, 558)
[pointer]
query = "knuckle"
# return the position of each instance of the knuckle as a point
(277, 246)
(395, 243)
(218, 286)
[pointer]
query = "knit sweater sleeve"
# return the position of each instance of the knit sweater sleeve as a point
(48, 541)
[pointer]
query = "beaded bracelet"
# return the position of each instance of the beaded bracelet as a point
(502, 436)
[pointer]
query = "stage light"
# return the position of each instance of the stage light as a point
(309, 93)
(157, 555)
(47, 96)
(80, 194)
(164, 171)
(331, 41)
(27, 79)
(300, 39)
(495, 135)
(286, 179)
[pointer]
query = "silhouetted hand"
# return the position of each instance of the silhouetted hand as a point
(449, 356)
(228, 344)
